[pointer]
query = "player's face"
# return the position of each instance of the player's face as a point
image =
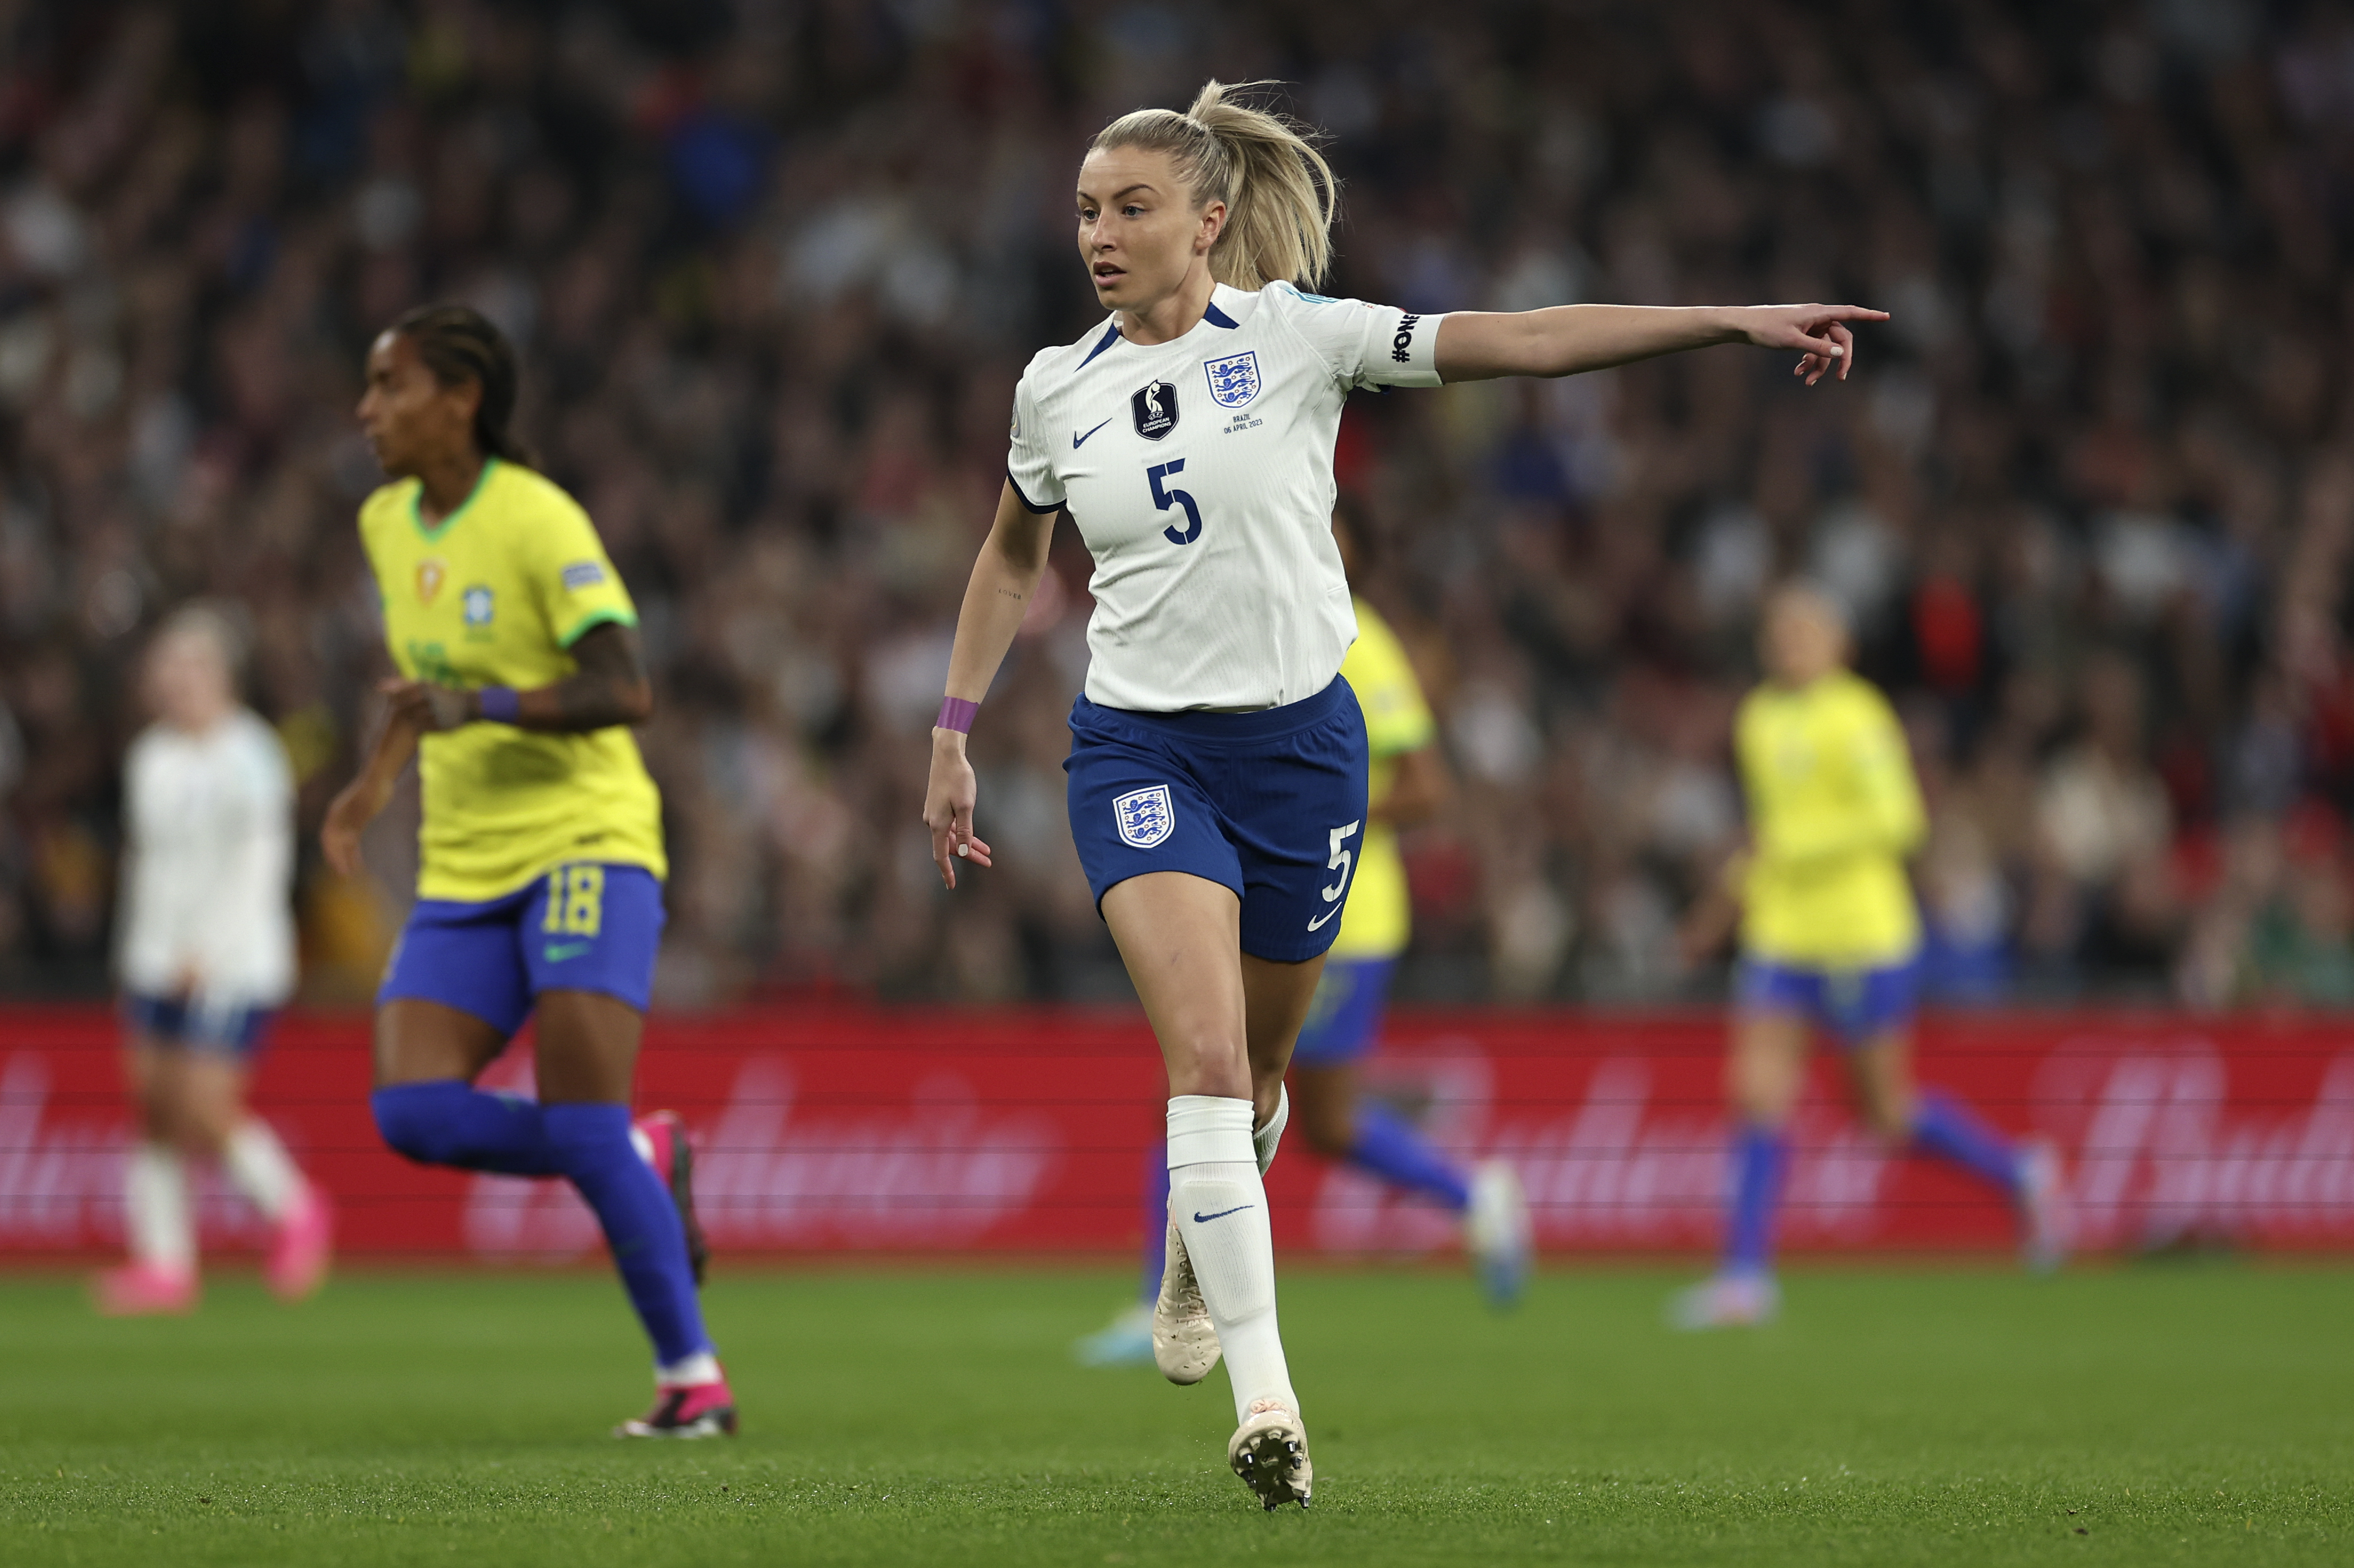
(1139, 232)
(410, 416)
(1802, 640)
(187, 681)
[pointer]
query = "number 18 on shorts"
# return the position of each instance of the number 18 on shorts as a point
(1270, 804)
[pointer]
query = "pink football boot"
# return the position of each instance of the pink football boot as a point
(300, 1252)
(138, 1289)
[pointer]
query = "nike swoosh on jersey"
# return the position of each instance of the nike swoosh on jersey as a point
(557, 952)
(1201, 1219)
(1078, 441)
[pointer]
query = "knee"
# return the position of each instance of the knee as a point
(414, 1121)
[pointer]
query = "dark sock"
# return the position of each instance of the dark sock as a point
(1156, 1219)
(642, 1224)
(1947, 1127)
(447, 1121)
(1759, 1157)
(1394, 1150)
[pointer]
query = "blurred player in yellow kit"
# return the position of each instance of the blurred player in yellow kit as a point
(1408, 784)
(1830, 938)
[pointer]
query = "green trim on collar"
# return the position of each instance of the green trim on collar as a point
(433, 535)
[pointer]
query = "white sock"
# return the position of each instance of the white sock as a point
(155, 1201)
(1264, 1138)
(694, 1371)
(1220, 1206)
(260, 1166)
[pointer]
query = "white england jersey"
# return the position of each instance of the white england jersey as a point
(209, 865)
(1200, 475)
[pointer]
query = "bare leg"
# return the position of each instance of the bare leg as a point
(1226, 1025)
(1881, 1071)
(1324, 1099)
(423, 1042)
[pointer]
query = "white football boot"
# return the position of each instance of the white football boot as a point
(2044, 1220)
(1185, 1340)
(1496, 1232)
(1269, 1452)
(1738, 1300)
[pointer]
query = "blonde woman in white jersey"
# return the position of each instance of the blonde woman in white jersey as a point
(1217, 770)
(206, 953)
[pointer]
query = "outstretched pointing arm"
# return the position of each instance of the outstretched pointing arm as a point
(1562, 340)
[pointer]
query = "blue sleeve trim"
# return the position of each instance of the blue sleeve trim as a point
(1217, 317)
(1018, 495)
(1110, 337)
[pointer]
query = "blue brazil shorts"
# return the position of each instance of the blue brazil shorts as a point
(1344, 1017)
(1852, 1005)
(581, 927)
(1271, 804)
(174, 1023)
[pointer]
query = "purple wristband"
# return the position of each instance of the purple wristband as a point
(501, 705)
(956, 714)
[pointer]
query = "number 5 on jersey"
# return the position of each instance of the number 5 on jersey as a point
(1342, 861)
(1162, 500)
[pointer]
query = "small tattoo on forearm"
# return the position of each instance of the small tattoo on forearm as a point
(1010, 593)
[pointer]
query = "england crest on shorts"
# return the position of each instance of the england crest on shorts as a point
(1233, 380)
(1145, 816)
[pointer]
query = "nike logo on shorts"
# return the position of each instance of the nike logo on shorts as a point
(557, 952)
(1318, 924)
(1201, 1219)
(1078, 441)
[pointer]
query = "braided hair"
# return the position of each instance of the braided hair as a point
(459, 344)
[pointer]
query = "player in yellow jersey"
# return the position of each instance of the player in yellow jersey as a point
(539, 886)
(1408, 783)
(1829, 939)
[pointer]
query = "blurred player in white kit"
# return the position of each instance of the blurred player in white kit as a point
(205, 954)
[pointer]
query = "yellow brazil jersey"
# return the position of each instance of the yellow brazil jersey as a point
(1380, 916)
(1833, 811)
(496, 595)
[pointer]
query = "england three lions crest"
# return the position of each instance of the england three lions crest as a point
(1145, 816)
(1233, 380)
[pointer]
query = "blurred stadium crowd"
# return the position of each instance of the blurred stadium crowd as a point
(775, 266)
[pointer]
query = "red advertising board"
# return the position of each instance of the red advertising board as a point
(1027, 1131)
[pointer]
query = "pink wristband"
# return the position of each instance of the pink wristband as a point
(956, 714)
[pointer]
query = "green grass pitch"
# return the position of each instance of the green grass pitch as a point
(2145, 1416)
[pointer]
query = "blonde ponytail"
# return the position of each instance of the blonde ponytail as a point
(1279, 190)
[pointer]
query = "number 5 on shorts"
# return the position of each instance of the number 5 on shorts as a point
(1342, 861)
(576, 900)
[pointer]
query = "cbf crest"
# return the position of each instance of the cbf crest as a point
(1145, 817)
(1155, 408)
(1233, 380)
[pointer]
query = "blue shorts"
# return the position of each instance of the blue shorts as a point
(235, 1032)
(1852, 1005)
(580, 926)
(1344, 1017)
(1271, 804)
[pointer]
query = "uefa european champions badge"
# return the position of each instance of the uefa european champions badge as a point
(1155, 410)
(1233, 380)
(478, 603)
(1145, 816)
